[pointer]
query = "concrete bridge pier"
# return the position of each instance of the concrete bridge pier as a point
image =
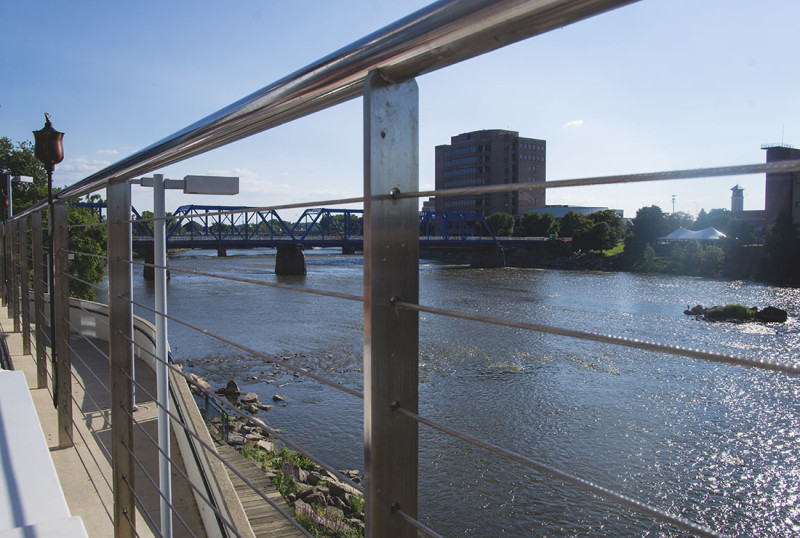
(149, 256)
(348, 250)
(290, 261)
(487, 257)
(222, 252)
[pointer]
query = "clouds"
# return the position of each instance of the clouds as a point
(572, 124)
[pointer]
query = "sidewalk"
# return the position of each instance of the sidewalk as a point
(84, 470)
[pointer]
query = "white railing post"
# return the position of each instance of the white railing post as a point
(120, 320)
(60, 297)
(391, 336)
(162, 372)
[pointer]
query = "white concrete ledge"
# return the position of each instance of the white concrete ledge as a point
(31, 498)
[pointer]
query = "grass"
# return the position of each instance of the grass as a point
(619, 249)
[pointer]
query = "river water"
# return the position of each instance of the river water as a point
(717, 444)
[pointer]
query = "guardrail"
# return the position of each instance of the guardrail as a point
(381, 68)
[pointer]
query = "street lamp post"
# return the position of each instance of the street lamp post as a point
(49, 149)
(190, 185)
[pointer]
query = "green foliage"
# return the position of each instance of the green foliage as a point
(19, 159)
(730, 312)
(721, 219)
(536, 224)
(87, 240)
(356, 502)
(502, 224)
(648, 225)
(649, 262)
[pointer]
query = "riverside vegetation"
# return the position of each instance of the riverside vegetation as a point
(599, 242)
(322, 503)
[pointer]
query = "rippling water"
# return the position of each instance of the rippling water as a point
(714, 443)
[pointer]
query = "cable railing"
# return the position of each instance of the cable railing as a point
(381, 68)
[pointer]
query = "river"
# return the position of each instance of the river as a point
(714, 443)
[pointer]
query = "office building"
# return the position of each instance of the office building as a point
(491, 157)
(783, 188)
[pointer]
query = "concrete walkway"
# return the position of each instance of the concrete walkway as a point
(84, 470)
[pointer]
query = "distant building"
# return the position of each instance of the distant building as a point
(754, 219)
(737, 198)
(558, 211)
(491, 157)
(428, 205)
(783, 189)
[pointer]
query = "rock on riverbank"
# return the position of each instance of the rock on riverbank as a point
(738, 313)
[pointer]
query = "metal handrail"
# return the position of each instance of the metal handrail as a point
(439, 35)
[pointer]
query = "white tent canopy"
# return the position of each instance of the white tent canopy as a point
(682, 234)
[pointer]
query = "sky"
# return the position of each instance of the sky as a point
(657, 85)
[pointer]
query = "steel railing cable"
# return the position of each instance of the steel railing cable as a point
(553, 472)
(216, 454)
(763, 364)
(188, 480)
(97, 464)
(142, 508)
(96, 315)
(100, 443)
(155, 486)
(288, 287)
(90, 284)
(422, 528)
(104, 224)
(298, 205)
(693, 173)
(249, 419)
(252, 351)
(104, 414)
(78, 253)
(102, 353)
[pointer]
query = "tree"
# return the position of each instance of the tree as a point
(19, 159)
(648, 225)
(607, 229)
(88, 240)
(536, 224)
(574, 224)
(501, 224)
(678, 219)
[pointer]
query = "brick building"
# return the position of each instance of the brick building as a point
(491, 157)
(783, 189)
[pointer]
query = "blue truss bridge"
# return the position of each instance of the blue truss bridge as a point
(239, 227)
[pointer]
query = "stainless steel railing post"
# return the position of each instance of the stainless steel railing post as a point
(60, 297)
(14, 250)
(38, 298)
(24, 280)
(391, 337)
(120, 320)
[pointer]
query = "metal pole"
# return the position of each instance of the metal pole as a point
(60, 300)
(119, 295)
(391, 337)
(162, 373)
(38, 298)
